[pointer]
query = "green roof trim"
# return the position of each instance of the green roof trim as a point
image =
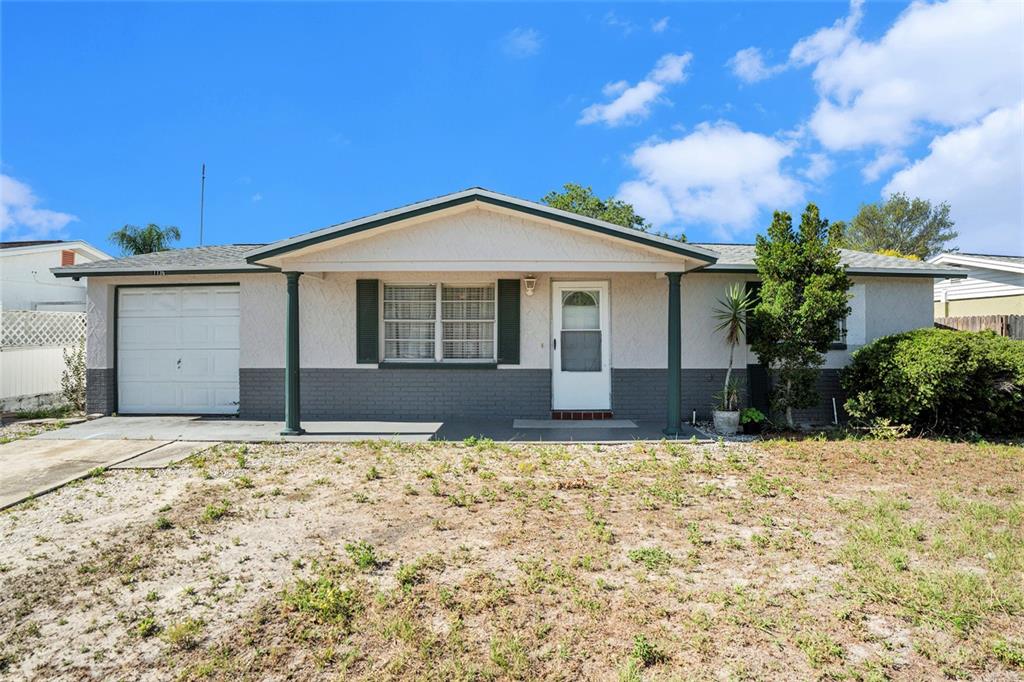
(483, 196)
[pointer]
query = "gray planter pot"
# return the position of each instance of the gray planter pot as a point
(727, 423)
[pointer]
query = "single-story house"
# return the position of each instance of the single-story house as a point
(474, 304)
(994, 285)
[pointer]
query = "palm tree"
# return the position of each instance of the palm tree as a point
(134, 240)
(732, 320)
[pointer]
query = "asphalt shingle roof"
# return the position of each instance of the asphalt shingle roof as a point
(1016, 260)
(229, 258)
(741, 257)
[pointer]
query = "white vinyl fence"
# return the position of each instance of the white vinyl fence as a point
(31, 355)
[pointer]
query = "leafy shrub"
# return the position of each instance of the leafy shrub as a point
(323, 599)
(645, 653)
(939, 380)
(184, 635)
(654, 558)
(751, 415)
(72, 380)
(364, 555)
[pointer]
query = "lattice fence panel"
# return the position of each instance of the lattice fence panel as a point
(36, 328)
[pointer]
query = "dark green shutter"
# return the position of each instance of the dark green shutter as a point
(758, 388)
(508, 321)
(367, 316)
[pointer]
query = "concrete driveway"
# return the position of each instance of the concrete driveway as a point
(33, 466)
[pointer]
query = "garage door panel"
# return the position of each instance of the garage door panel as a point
(196, 301)
(131, 302)
(209, 332)
(149, 396)
(223, 397)
(226, 397)
(225, 334)
(148, 333)
(195, 366)
(225, 366)
(178, 349)
(143, 365)
(226, 301)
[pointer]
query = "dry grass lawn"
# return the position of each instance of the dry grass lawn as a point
(858, 560)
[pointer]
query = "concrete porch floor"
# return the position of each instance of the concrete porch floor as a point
(171, 428)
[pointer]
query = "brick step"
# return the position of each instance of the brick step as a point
(581, 415)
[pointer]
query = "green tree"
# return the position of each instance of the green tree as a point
(134, 240)
(911, 227)
(578, 199)
(803, 300)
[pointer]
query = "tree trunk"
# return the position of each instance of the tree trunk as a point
(728, 375)
(789, 409)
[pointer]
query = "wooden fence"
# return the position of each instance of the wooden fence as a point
(1004, 325)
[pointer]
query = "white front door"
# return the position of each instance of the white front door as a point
(580, 352)
(177, 350)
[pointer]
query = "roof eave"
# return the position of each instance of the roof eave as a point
(968, 261)
(96, 272)
(862, 272)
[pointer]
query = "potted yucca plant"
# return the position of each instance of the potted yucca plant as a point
(731, 314)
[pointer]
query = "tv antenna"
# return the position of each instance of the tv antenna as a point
(202, 201)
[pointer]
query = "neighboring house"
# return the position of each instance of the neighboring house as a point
(26, 282)
(474, 305)
(994, 286)
(40, 316)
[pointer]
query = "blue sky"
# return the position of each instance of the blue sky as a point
(707, 116)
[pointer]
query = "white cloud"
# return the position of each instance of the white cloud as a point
(828, 41)
(633, 103)
(520, 43)
(977, 169)
(21, 218)
(942, 64)
(819, 167)
(613, 20)
(748, 65)
(616, 88)
(718, 175)
(671, 68)
(257, 197)
(660, 25)
(885, 160)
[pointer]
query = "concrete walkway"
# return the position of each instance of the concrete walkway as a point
(239, 430)
(32, 467)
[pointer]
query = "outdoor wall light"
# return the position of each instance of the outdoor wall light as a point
(531, 283)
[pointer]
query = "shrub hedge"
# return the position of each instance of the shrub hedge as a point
(950, 382)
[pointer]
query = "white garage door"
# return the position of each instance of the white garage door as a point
(177, 350)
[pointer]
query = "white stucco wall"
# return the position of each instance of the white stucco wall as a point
(638, 315)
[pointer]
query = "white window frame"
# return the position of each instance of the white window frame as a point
(439, 324)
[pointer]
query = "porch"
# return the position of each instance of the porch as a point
(521, 346)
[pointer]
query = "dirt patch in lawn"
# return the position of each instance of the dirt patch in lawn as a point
(27, 428)
(853, 559)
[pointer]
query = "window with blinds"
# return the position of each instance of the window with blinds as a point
(410, 313)
(467, 322)
(439, 322)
